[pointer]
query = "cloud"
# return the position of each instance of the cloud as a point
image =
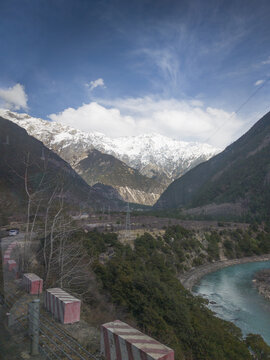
(14, 98)
(182, 120)
(258, 82)
(94, 117)
(166, 62)
(266, 62)
(94, 84)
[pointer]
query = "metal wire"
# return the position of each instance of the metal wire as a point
(46, 354)
(67, 345)
(51, 324)
(65, 334)
(70, 338)
(42, 325)
(55, 344)
(41, 349)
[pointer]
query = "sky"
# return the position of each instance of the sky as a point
(192, 70)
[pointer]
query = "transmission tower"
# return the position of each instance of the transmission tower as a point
(128, 227)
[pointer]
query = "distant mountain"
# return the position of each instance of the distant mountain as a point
(235, 181)
(97, 167)
(154, 156)
(26, 161)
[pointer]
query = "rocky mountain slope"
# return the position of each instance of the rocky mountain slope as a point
(26, 165)
(235, 181)
(154, 156)
(97, 167)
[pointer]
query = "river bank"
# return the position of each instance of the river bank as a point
(262, 282)
(192, 277)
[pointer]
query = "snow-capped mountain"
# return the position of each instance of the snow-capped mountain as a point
(151, 154)
(145, 166)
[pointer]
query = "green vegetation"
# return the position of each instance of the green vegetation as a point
(244, 179)
(238, 243)
(213, 249)
(143, 283)
(258, 347)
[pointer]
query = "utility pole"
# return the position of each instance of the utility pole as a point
(33, 321)
(128, 227)
(109, 213)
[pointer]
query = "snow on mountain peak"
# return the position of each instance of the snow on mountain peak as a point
(150, 150)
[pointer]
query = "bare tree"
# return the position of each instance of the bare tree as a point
(49, 230)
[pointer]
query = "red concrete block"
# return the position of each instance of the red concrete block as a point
(32, 283)
(119, 341)
(6, 258)
(65, 307)
(11, 265)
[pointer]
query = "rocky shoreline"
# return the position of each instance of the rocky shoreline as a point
(262, 282)
(192, 277)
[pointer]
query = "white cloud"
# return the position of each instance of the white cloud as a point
(94, 117)
(198, 103)
(182, 120)
(258, 82)
(266, 62)
(13, 98)
(94, 84)
(165, 60)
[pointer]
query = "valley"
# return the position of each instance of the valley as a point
(134, 180)
(77, 234)
(117, 281)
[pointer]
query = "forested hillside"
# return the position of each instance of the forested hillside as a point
(29, 170)
(239, 176)
(143, 284)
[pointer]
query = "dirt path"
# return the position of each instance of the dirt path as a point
(192, 277)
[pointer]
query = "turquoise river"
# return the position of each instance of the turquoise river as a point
(235, 298)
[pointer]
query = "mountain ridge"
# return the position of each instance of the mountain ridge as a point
(131, 186)
(138, 152)
(238, 175)
(31, 172)
(153, 160)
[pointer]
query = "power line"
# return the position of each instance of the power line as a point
(238, 109)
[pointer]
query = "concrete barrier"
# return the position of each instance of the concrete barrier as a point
(7, 253)
(119, 341)
(33, 284)
(11, 265)
(64, 307)
(6, 258)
